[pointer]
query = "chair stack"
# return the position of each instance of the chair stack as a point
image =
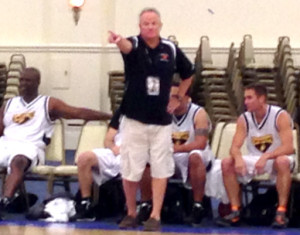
(204, 69)
(286, 75)
(16, 66)
(116, 88)
(264, 74)
(3, 77)
(214, 83)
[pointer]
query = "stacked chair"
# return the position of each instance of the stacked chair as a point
(264, 74)
(3, 77)
(214, 83)
(16, 66)
(286, 75)
(279, 78)
(204, 68)
(116, 88)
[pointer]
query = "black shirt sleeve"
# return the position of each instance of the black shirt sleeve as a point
(183, 65)
(115, 121)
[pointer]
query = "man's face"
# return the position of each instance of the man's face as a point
(150, 25)
(252, 100)
(28, 83)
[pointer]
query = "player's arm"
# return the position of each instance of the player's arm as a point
(123, 44)
(184, 86)
(238, 138)
(59, 109)
(237, 143)
(175, 99)
(201, 125)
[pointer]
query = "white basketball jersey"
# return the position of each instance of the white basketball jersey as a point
(263, 137)
(28, 121)
(183, 129)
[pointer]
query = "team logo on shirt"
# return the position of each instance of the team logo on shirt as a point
(23, 117)
(262, 143)
(180, 138)
(164, 57)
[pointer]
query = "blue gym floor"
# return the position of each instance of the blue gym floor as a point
(207, 226)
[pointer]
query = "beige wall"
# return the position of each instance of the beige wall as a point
(35, 22)
(223, 21)
(74, 60)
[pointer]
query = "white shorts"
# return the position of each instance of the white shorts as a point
(145, 143)
(10, 149)
(109, 165)
(214, 186)
(251, 160)
(182, 161)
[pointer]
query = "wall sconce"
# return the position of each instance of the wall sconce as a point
(76, 8)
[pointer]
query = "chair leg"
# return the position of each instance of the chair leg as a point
(3, 178)
(50, 184)
(95, 194)
(67, 185)
(292, 200)
(24, 192)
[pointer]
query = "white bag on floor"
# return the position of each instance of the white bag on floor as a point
(60, 209)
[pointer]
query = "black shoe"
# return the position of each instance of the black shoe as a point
(4, 203)
(197, 214)
(84, 212)
(280, 220)
(144, 212)
(233, 219)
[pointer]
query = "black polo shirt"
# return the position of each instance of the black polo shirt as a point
(148, 78)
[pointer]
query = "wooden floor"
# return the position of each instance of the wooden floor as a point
(60, 230)
(66, 229)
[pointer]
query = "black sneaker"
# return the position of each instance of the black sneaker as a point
(4, 203)
(280, 220)
(84, 212)
(233, 219)
(197, 214)
(144, 212)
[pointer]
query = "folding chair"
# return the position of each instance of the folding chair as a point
(55, 155)
(92, 136)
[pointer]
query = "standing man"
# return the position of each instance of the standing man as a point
(26, 126)
(192, 154)
(267, 130)
(150, 63)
